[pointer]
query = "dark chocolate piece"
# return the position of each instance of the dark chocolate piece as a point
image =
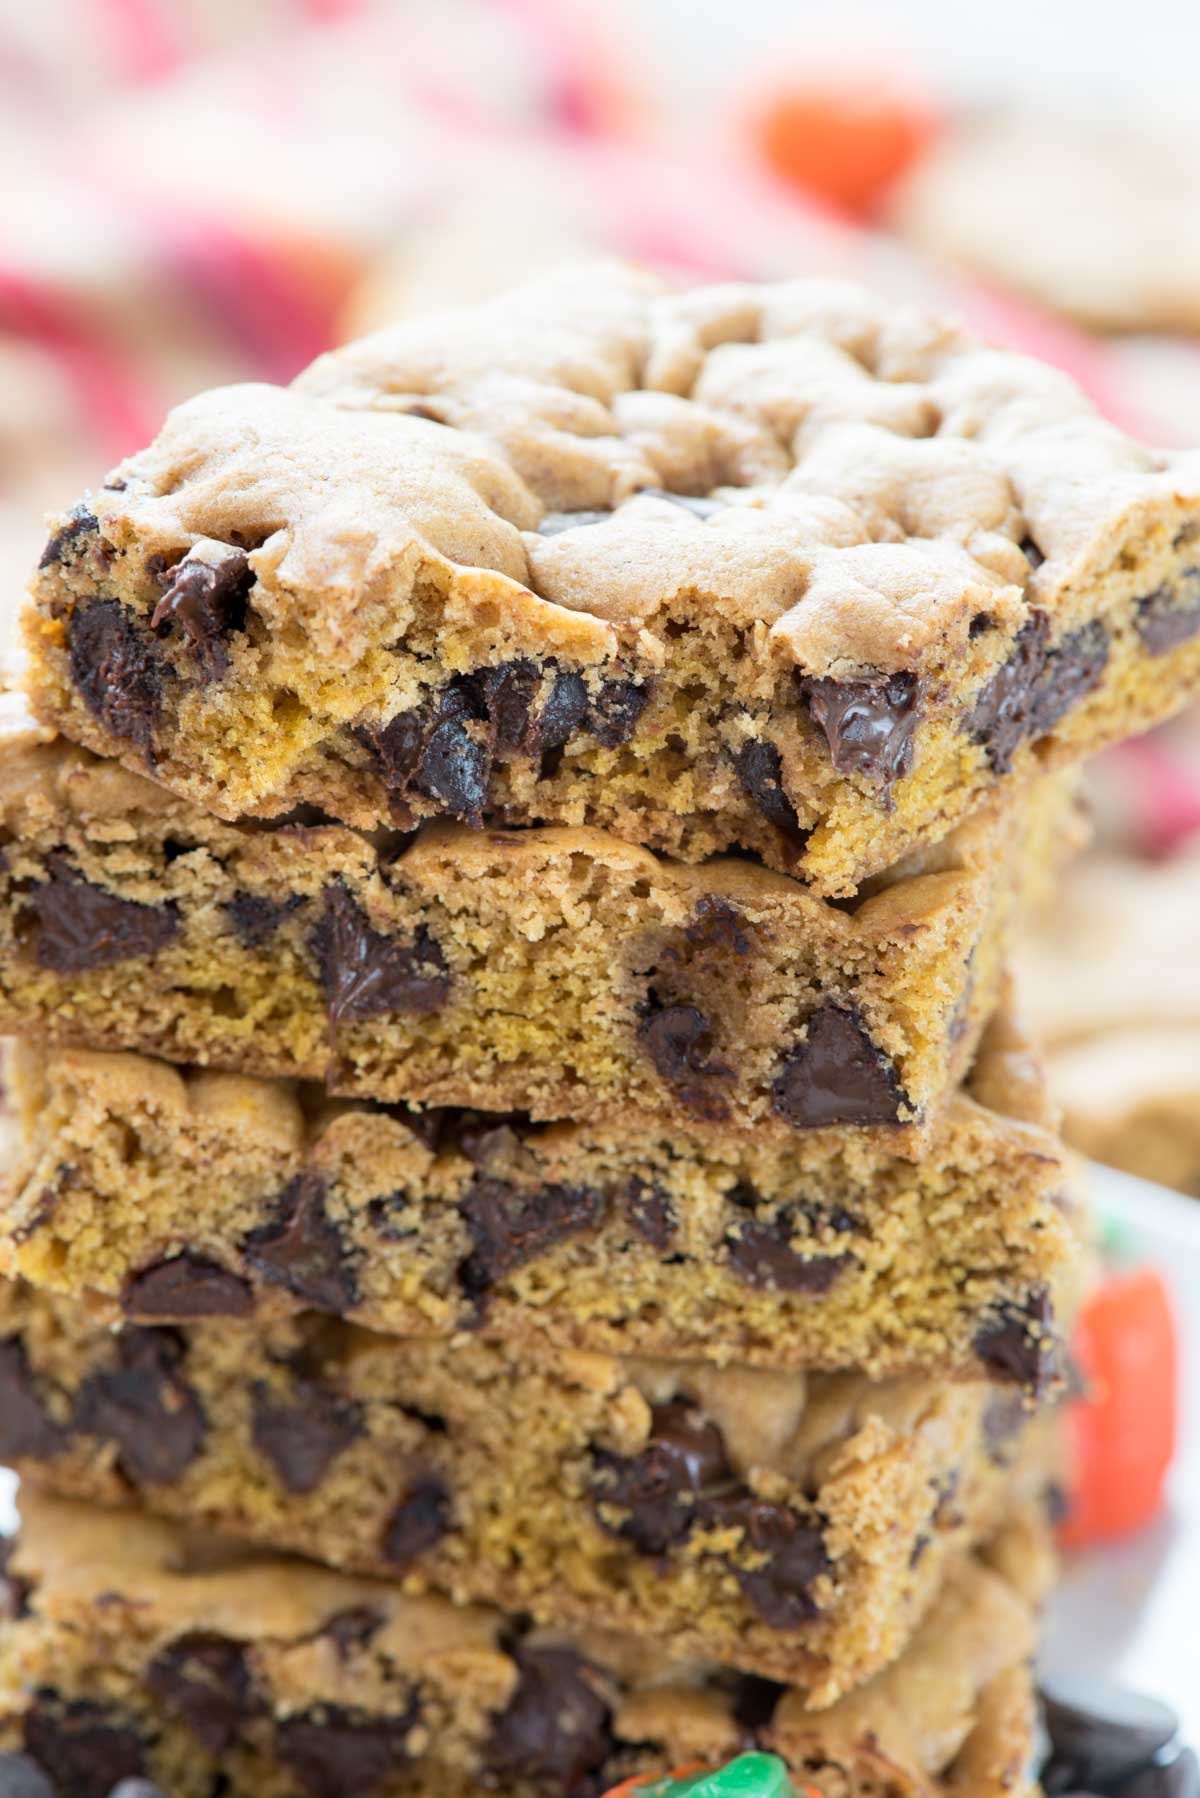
(615, 712)
(86, 1748)
(1036, 687)
(760, 769)
(511, 1226)
(27, 1426)
(118, 668)
(256, 919)
(303, 1436)
(208, 602)
(338, 1752)
(186, 1286)
(1170, 615)
(145, 1406)
(761, 1252)
(781, 1591)
(303, 1251)
(677, 1039)
(203, 1679)
(837, 1075)
(366, 974)
(651, 1213)
(1019, 1344)
(650, 1499)
(80, 522)
(81, 926)
(869, 725)
(418, 1522)
(555, 1733)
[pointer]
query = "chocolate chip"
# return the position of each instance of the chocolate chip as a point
(717, 925)
(338, 1752)
(780, 1590)
(564, 711)
(255, 919)
(86, 1748)
(759, 767)
(511, 1226)
(81, 926)
(146, 1407)
(1101, 1733)
(365, 974)
(418, 1522)
(353, 1630)
(118, 670)
(1036, 687)
(868, 724)
(303, 1438)
(615, 712)
(203, 1679)
(26, 1424)
(14, 1589)
(677, 1039)
(761, 1252)
(1170, 615)
(555, 522)
(1019, 1344)
(303, 1251)
(509, 691)
(186, 1286)
(650, 1499)
(456, 764)
(19, 1776)
(207, 601)
(837, 1075)
(651, 1213)
(80, 522)
(555, 1733)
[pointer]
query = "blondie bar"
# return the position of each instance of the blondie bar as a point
(178, 1193)
(139, 1649)
(791, 1525)
(788, 569)
(562, 972)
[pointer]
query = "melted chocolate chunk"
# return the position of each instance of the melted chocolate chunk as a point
(655, 1494)
(781, 1590)
(837, 1075)
(208, 602)
(146, 1407)
(509, 691)
(1019, 1345)
(616, 711)
(22, 1778)
(677, 1040)
(717, 926)
(1036, 687)
(456, 763)
(86, 1748)
(556, 1732)
(868, 724)
(564, 710)
(203, 1679)
(1170, 615)
(338, 1752)
(26, 1424)
(651, 1213)
(554, 523)
(366, 974)
(117, 667)
(81, 927)
(761, 1252)
(81, 522)
(303, 1251)
(303, 1438)
(184, 1287)
(759, 767)
(511, 1226)
(418, 1522)
(255, 919)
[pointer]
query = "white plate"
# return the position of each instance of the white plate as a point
(1131, 1612)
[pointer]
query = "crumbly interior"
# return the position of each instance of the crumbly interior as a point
(807, 1546)
(156, 1188)
(557, 972)
(705, 534)
(175, 1656)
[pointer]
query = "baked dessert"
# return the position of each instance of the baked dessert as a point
(1131, 1098)
(559, 972)
(142, 1649)
(790, 1525)
(178, 1193)
(788, 569)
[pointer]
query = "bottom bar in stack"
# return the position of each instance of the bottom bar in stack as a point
(137, 1648)
(794, 1526)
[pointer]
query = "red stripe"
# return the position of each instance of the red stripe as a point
(106, 387)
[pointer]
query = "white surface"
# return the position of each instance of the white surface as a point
(1131, 1612)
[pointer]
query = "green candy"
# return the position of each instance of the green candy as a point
(749, 1776)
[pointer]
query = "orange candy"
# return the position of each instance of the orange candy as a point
(840, 143)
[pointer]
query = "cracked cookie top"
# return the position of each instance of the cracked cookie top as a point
(849, 482)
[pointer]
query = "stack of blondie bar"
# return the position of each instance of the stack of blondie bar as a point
(526, 1182)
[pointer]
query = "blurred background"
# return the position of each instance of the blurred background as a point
(199, 191)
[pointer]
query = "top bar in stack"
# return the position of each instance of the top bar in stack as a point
(783, 569)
